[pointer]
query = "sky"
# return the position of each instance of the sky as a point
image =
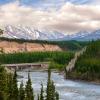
(66, 16)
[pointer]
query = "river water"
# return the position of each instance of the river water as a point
(68, 89)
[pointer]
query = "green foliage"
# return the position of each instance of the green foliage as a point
(10, 86)
(36, 57)
(29, 90)
(57, 66)
(88, 64)
(51, 92)
(21, 92)
(57, 96)
(2, 97)
(2, 79)
(38, 97)
(14, 87)
(71, 45)
(48, 91)
(60, 59)
(42, 93)
(3, 83)
(9, 89)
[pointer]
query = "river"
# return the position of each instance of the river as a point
(68, 89)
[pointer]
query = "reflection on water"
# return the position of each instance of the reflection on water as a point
(68, 89)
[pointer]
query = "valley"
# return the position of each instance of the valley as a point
(49, 49)
(58, 60)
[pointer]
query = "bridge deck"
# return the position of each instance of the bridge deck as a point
(29, 66)
(24, 64)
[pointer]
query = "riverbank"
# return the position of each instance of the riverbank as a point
(87, 66)
(79, 78)
(68, 89)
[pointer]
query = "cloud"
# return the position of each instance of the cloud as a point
(70, 18)
(95, 2)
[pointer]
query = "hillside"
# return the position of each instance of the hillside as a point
(21, 45)
(88, 65)
(12, 47)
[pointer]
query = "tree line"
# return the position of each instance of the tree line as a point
(9, 89)
(87, 66)
(57, 58)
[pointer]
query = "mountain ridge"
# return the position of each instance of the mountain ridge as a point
(29, 33)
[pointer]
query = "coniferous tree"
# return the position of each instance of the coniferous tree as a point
(14, 87)
(3, 83)
(57, 96)
(2, 96)
(51, 92)
(38, 97)
(21, 92)
(29, 95)
(41, 94)
(10, 87)
(48, 91)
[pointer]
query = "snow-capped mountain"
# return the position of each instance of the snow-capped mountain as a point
(83, 36)
(30, 33)
(93, 36)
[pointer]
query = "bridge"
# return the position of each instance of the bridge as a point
(26, 66)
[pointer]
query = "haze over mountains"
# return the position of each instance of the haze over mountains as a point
(30, 33)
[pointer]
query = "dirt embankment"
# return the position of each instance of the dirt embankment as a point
(11, 47)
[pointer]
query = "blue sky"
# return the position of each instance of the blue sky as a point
(43, 3)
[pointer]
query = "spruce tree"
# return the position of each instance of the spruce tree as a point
(42, 93)
(2, 96)
(57, 96)
(14, 87)
(50, 91)
(3, 83)
(29, 90)
(10, 87)
(38, 97)
(21, 92)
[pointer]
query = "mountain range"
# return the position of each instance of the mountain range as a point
(29, 33)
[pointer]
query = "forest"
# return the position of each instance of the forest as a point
(56, 59)
(9, 89)
(87, 66)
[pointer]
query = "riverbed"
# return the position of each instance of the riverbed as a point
(68, 89)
